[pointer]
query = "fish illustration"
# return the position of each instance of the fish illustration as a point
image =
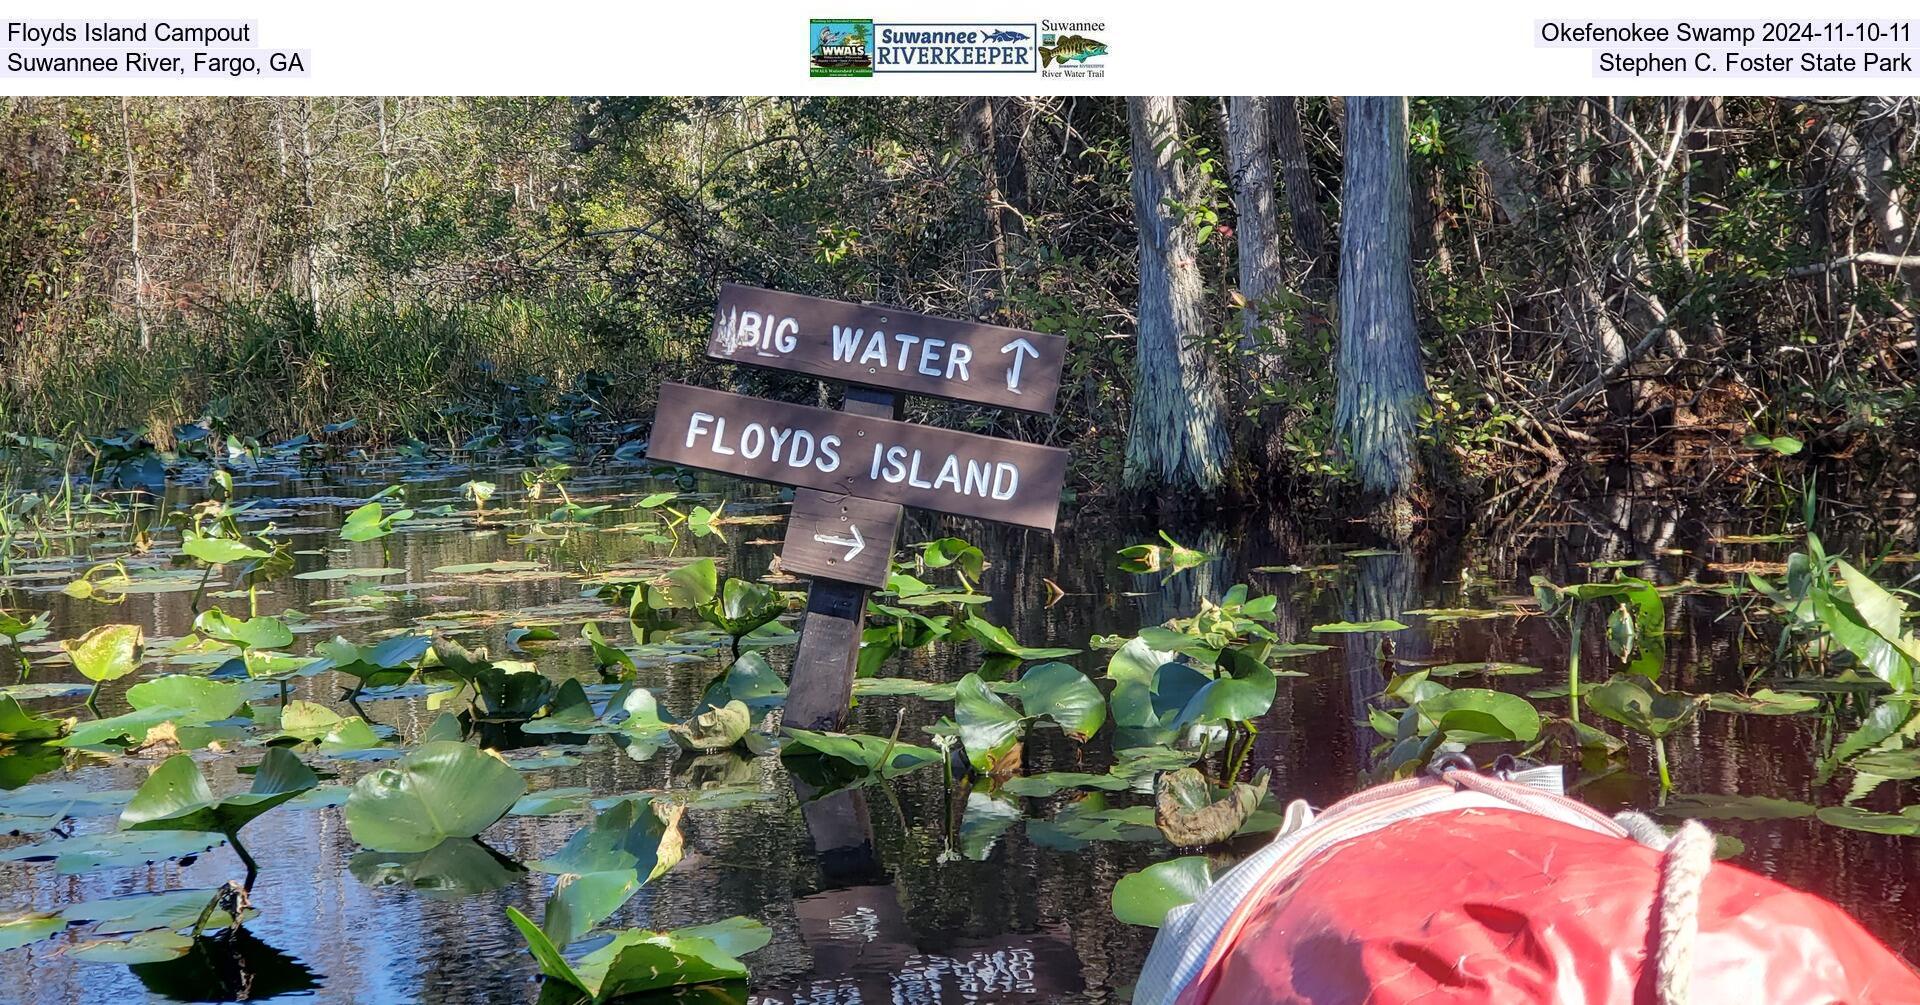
(1078, 48)
(1003, 35)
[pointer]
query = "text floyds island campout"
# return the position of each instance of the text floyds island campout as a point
(46, 33)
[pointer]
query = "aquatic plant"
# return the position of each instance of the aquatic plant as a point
(636, 962)
(1636, 624)
(176, 797)
(439, 790)
(1831, 606)
(106, 653)
(1641, 705)
(18, 633)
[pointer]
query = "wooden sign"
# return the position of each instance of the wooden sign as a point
(889, 348)
(858, 455)
(840, 537)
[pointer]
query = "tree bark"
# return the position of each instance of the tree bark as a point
(1303, 205)
(1880, 182)
(1176, 438)
(1256, 224)
(980, 135)
(1257, 230)
(1382, 385)
(133, 204)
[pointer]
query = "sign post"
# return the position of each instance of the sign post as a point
(854, 470)
(820, 687)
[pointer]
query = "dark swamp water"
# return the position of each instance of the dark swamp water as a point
(887, 894)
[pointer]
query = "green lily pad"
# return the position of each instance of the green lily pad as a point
(144, 912)
(440, 790)
(1342, 627)
(176, 796)
(633, 834)
(859, 752)
(1854, 818)
(1490, 669)
(106, 849)
(1637, 703)
(1724, 806)
(636, 962)
(1063, 694)
(454, 869)
(1050, 783)
(579, 902)
(473, 568)
(1763, 702)
(106, 653)
(146, 947)
(17, 724)
(1145, 897)
(1000, 642)
(363, 572)
(26, 929)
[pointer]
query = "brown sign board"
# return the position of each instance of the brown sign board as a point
(890, 348)
(872, 458)
(841, 537)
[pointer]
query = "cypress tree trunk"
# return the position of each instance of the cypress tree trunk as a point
(1381, 383)
(1256, 219)
(1176, 438)
(1251, 161)
(1303, 205)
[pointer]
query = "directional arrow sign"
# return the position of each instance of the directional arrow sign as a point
(859, 455)
(840, 537)
(889, 348)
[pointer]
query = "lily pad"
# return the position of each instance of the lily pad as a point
(1190, 811)
(1000, 642)
(26, 929)
(176, 796)
(1342, 627)
(714, 729)
(454, 869)
(440, 790)
(1145, 897)
(1854, 818)
(146, 947)
(106, 653)
(636, 834)
(636, 962)
(17, 724)
(1727, 806)
(1063, 694)
(1763, 702)
(363, 572)
(105, 849)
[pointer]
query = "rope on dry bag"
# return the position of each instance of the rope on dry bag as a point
(1685, 859)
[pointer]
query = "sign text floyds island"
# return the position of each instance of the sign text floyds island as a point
(855, 468)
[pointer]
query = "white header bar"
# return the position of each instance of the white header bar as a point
(855, 47)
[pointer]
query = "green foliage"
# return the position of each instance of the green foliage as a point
(440, 790)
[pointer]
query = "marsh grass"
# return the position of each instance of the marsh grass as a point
(274, 367)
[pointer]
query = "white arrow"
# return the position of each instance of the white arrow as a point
(1021, 348)
(854, 547)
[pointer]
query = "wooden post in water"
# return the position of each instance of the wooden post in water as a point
(847, 509)
(820, 690)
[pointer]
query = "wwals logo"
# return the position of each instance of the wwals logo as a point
(840, 48)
